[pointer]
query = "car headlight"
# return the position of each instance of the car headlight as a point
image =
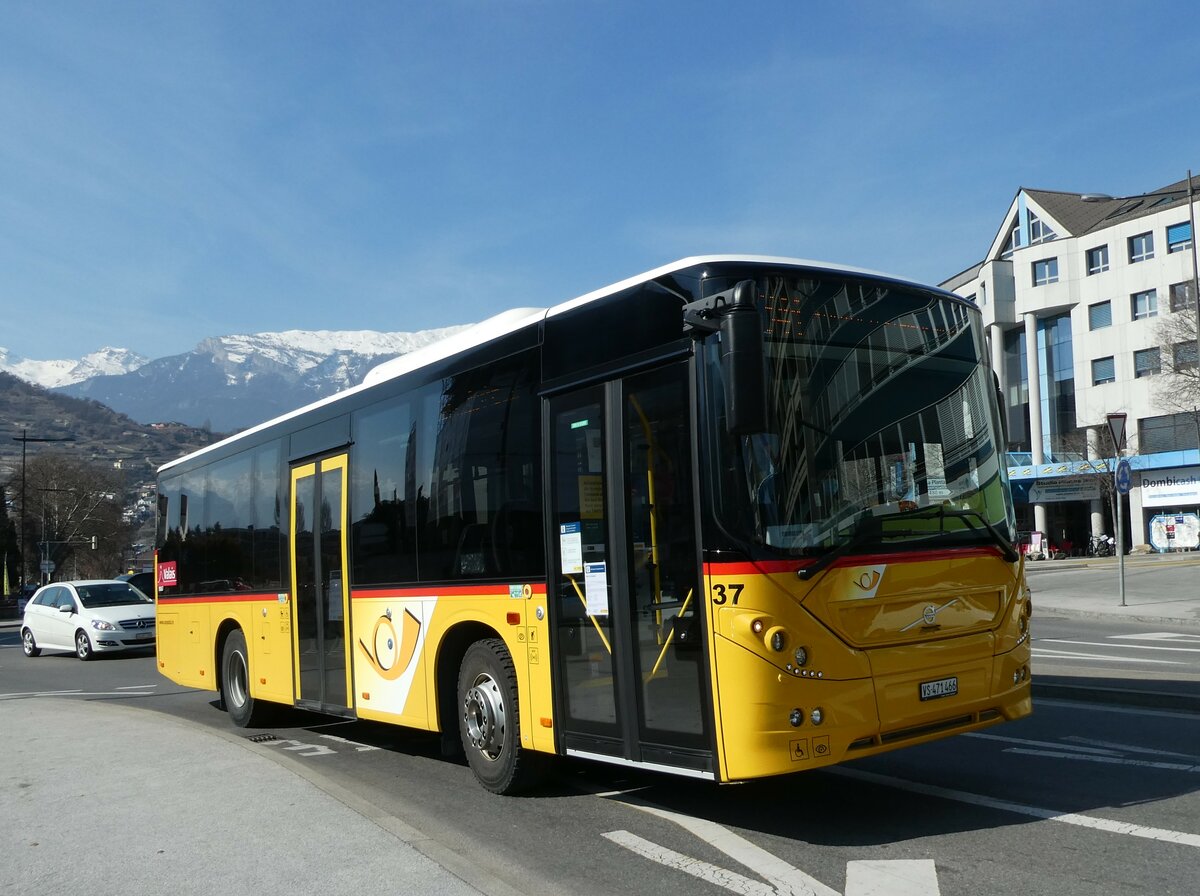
(101, 626)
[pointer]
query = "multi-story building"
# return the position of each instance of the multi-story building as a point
(1078, 292)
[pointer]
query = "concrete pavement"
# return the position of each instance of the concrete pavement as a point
(108, 800)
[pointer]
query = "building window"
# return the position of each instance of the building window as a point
(1103, 371)
(1099, 315)
(1146, 363)
(1097, 260)
(1179, 237)
(1173, 432)
(1045, 271)
(1182, 297)
(1144, 304)
(1141, 247)
(1183, 355)
(1039, 231)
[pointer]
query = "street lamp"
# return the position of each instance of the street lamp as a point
(1116, 428)
(25, 438)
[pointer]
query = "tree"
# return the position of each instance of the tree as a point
(9, 545)
(1179, 386)
(72, 504)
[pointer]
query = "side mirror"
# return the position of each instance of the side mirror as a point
(742, 363)
(66, 608)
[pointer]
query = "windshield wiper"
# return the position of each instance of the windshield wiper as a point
(863, 534)
(1006, 546)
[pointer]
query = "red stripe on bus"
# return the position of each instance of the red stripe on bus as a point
(233, 598)
(538, 589)
(745, 568)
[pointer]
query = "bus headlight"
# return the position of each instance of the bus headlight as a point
(801, 656)
(796, 719)
(817, 716)
(778, 640)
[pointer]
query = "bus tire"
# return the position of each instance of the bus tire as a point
(488, 720)
(244, 711)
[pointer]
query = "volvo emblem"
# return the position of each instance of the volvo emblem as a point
(928, 615)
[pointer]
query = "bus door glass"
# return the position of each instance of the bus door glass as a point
(625, 572)
(318, 549)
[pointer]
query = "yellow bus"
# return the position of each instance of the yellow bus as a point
(738, 516)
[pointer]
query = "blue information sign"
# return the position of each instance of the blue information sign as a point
(1124, 477)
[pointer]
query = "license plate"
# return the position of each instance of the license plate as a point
(943, 687)
(143, 636)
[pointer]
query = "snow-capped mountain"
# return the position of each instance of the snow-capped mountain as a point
(230, 382)
(52, 374)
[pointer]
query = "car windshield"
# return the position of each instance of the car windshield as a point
(110, 594)
(882, 432)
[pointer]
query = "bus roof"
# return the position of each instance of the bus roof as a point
(517, 318)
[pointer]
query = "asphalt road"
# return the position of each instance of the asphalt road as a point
(1082, 797)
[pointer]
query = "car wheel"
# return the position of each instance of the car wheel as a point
(488, 725)
(83, 646)
(244, 711)
(28, 644)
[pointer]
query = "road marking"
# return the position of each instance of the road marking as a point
(1106, 657)
(894, 877)
(136, 687)
(358, 748)
(712, 874)
(782, 876)
(1109, 644)
(20, 695)
(1107, 760)
(1053, 744)
(1074, 738)
(1159, 636)
(975, 799)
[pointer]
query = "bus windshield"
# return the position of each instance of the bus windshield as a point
(882, 430)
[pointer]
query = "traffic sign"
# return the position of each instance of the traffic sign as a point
(47, 566)
(1124, 477)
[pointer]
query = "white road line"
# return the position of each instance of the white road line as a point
(1106, 657)
(136, 687)
(1127, 748)
(1107, 760)
(1084, 821)
(892, 877)
(1121, 646)
(710, 873)
(17, 695)
(1158, 636)
(1056, 745)
(771, 868)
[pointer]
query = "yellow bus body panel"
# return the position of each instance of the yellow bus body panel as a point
(868, 648)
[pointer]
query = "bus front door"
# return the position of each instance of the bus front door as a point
(625, 574)
(319, 595)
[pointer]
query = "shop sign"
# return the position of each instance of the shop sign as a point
(1175, 532)
(1172, 487)
(1053, 491)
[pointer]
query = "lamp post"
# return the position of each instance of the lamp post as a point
(1116, 428)
(25, 438)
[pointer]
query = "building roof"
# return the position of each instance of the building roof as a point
(1083, 213)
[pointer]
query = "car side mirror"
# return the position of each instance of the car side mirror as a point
(66, 608)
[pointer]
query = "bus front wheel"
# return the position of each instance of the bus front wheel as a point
(487, 720)
(244, 711)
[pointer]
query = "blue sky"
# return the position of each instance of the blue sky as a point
(173, 171)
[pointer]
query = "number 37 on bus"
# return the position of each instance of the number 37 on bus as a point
(735, 517)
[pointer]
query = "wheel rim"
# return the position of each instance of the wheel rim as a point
(483, 712)
(82, 645)
(27, 641)
(237, 678)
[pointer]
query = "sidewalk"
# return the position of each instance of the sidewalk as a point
(107, 800)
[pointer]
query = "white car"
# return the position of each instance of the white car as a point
(87, 618)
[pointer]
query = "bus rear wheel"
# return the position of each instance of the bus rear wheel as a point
(488, 723)
(244, 711)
